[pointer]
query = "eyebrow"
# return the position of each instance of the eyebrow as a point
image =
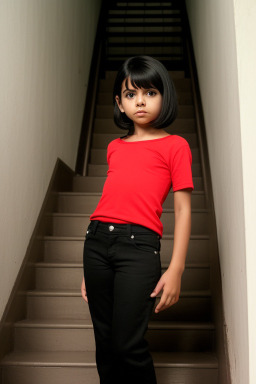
(134, 89)
(131, 90)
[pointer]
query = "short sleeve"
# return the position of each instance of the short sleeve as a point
(181, 168)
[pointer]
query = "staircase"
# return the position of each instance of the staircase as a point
(55, 342)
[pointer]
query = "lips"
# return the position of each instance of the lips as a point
(140, 113)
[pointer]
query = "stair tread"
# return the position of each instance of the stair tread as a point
(63, 214)
(87, 358)
(68, 193)
(80, 324)
(81, 238)
(80, 265)
(77, 293)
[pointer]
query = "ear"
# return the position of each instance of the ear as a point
(119, 104)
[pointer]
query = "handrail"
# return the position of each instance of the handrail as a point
(90, 103)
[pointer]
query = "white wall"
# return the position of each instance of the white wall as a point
(45, 48)
(222, 36)
(245, 16)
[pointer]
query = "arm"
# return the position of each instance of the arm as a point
(170, 281)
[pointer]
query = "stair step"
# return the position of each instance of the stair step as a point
(101, 140)
(120, 50)
(147, 39)
(96, 183)
(145, 34)
(99, 156)
(144, 15)
(78, 335)
(101, 170)
(72, 202)
(141, 21)
(179, 126)
(70, 249)
(106, 85)
(106, 98)
(68, 304)
(74, 224)
(68, 276)
(173, 74)
(106, 111)
(80, 367)
(145, 6)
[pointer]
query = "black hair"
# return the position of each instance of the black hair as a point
(145, 72)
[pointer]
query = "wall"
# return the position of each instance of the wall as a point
(46, 49)
(245, 16)
(222, 32)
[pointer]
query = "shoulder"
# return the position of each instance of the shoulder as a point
(112, 143)
(178, 142)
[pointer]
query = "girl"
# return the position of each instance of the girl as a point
(122, 266)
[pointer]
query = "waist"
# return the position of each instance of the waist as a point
(116, 228)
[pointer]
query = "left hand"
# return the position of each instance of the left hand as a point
(170, 282)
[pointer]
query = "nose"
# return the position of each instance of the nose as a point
(140, 99)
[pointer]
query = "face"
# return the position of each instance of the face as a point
(141, 105)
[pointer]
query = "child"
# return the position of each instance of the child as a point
(122, 267)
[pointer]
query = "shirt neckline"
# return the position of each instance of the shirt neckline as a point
(143, 141)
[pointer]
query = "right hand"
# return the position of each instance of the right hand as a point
(83, 291)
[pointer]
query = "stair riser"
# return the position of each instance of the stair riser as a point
(70, 278)
(99, 156)
(107, 112)
(147, 29)
(89, 375)
(106, 85)
(95, 184)
(77, 225)
(73, 339)
(105, 98)
(68, 307)
(85, 204)
(101, 170)
(72, 251)
(148, 39)
(173, 74)
(142, 50)
(101, 140)
(176, 128)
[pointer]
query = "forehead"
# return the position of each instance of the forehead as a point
(127, 84)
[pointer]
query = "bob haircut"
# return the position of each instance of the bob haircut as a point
(145, 72)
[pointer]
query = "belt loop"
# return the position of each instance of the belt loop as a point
(129, 229)
(94, 225)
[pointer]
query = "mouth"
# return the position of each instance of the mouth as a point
(140, 113)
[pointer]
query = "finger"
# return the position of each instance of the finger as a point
(161, 303)
(84, 295)
(157, 289)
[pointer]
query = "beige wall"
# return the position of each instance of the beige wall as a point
(245, 17)
(45, 48)
(222, 36)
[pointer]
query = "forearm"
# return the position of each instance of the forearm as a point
(182, 230)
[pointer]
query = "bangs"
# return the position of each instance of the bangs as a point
(145, 79)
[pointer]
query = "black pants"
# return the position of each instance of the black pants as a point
(121, 268)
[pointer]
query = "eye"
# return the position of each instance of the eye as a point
(151, 93)
(129, 95)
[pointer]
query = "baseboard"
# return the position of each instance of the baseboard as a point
(61, 180)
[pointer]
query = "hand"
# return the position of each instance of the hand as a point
(170, 281)
(83, 291)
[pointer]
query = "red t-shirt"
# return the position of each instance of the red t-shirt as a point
(139, 177)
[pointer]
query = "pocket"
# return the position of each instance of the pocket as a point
(89, 232)
(149, 243)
